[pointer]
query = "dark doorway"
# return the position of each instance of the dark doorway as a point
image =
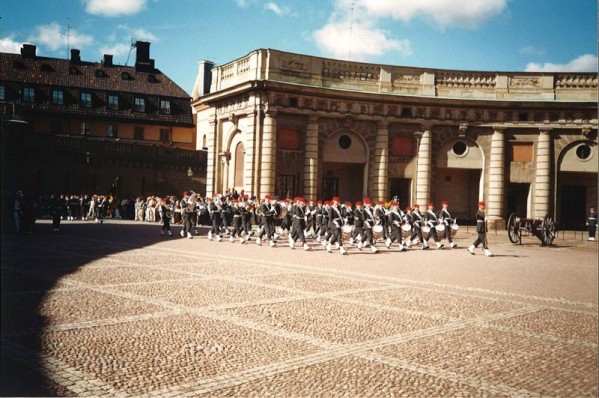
(573, 207)
(330, 187)
(400, 188)
(345, 180)
(517, 199)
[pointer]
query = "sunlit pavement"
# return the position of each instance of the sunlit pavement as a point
(118, 310)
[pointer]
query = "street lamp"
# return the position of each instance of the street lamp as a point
(189, 172)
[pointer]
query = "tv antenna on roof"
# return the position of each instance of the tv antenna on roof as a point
(68, 35)
(133, 45)
(351, 26)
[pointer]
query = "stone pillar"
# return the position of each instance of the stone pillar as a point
(212, 158)
(381, 162)
(424, 168)
(496, 198)
(543, 169)
(269, 154)
(311, 160)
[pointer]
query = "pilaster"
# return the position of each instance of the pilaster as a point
(496, 198)
(543, 170)
(311, 160)
(381, 162)
(424, 167)
(269, 154)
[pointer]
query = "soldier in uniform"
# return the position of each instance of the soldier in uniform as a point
(445, 218)
(236, 221)
(408, 221)
(432, 222)
(380, 214)
(213, 206)
(481, 230)
(298, 219)
(166, 213)
(592, 223)
(324, 234)
(369, 222)
(185, 216)
(335, 224)
(395, 220)
(246, 218)
(267, 210)
(357, 234)
(418, 222)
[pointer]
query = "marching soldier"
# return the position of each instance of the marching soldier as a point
(236, 222)
(408, 221)
(481, 230)
(335, 224)
(357, 234)
(380, 214)
(417, 223)
(592, 223)
(395, 219)
(213, 206)
(323, 234)
(369, 222)
(432, 222)
(246, 218)
(267, 211)
(165, 211)
(446, 219)
(298, 220)
(186, 215)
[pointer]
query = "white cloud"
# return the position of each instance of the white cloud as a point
(272, 6)
(116, 49)
(54, 37)
(365, 43)
(114, 8)
(443, 13)
(531, 50)
(8, 45)
(138, 33)
(584, 63)
(242, 3)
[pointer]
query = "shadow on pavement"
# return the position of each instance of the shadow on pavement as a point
(55, 255)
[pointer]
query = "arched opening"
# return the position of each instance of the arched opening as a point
(459, 176)
(345, 156)
(239, 166)
(576, 183)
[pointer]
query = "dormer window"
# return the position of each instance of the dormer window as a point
(153, 79)
(140, 104)
(165, 107)
(47, 68)
(126, 76)
(73, 70)
(101, 73)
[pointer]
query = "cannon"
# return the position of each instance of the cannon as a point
(543, 229)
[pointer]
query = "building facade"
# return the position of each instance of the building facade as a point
(72, 127)
(289, 124)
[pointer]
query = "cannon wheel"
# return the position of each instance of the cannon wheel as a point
(513, 229)
(548, 230)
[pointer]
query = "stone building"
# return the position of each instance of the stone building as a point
(72, 126)
(289, 124)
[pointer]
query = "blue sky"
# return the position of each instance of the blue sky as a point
(488, 35)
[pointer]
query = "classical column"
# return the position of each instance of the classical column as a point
(496, 194)
(269, 154)
(542, 189)
(381, 162)
(311, 160)
(212, 158)
(424, 167)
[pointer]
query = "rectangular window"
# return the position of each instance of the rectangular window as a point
(2, 92)
(521, 152)
(113, 102)
(86, 99)
(58, 97)
(112, 131)
(288, 139)
(85, 128)
(286, 185)
(138, 134)
(165, 107)
(29, 94)
(165, 135)
(401, 147)
(140, 104)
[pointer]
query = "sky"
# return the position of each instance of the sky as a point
(483, 35)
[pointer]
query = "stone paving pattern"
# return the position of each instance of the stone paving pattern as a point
(117, 310)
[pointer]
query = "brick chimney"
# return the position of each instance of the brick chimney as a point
(143, 63)
(75, 56)
(107, 61)
(28, 51)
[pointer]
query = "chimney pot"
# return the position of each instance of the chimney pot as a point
(107, 60)
(28, 50)
(75, 56)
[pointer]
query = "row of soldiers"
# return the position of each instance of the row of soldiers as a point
(328, 222)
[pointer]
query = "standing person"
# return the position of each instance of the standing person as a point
(335, 224)
(57, 206)
(369, 222)
(445, 218)
(85, 204)
(417, 223)
(395, 220)
(481, 230)
(299, 216)
(166, 213)
(185, 205)
(432, 222)
(357, 234)
(380, 216)
(236, 210)
(408, 222)
(267, 211)
(592, 223)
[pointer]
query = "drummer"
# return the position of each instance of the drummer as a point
(445, 218)
(432, 221)
(358, 231)
(369, 222)
(394, 218)
(418, 223)
(407, 227)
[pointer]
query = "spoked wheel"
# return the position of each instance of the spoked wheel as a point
(513, 229)
(548, 230)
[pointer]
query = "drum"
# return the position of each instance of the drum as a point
(440, 230)
(346, 231)
(454, 229)
(377, 232)
(426, 232)
(406, 231)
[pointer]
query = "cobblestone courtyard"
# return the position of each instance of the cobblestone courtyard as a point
(118, 310)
